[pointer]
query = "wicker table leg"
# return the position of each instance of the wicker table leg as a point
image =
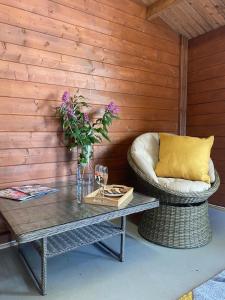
(41, 248)
(41, 284)
(118, 255)
(44, 266)
(122, 238)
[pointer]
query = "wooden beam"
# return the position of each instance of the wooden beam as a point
(183, 84)
(157, 7)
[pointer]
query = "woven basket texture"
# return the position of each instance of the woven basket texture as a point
(147, 186)
(177, 227)
(182, 219)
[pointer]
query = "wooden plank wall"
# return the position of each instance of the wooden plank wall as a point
(97, 46)
(104, 48)
(206, 97)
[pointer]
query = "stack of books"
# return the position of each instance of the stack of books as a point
(25, 192)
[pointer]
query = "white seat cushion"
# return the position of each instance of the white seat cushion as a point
(183, 185)
(145, 153)
(211, 171)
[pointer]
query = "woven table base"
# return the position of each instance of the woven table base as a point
(177, 227)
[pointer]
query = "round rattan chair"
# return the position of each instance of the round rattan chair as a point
(181, 221)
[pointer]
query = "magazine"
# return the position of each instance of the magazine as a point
(25, 192)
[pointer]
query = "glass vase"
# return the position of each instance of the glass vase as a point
(85, 172)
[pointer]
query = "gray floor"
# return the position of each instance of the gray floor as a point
(149, 272)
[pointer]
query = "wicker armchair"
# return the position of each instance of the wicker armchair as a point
(182, 220)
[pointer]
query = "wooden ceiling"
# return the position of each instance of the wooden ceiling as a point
(190, 18)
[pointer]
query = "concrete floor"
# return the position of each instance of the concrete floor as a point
(149, 272)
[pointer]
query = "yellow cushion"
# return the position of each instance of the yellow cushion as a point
(188, 296)
(184, 157)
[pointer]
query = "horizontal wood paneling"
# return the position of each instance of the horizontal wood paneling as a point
(46, 170)
(83, 38)
(37, 40)
(206, 130)
(36, 171)
(207, 62)
(33, 90)
(20, 140)
(20, 54)
(104, 49)
(126, 6)
(202, 45)
(207, 108)
(206, 97)
(121, 16)
(30, 107)
(18, 71)
(30, 156)
(204, 120)
(31, 123)
(87, 31)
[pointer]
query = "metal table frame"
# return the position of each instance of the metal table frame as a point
(42, 282)
(75, 230)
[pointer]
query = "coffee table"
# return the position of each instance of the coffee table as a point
(57, 223)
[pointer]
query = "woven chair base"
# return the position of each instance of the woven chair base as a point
(177, 226)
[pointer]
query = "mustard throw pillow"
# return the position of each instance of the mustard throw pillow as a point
(184, 157)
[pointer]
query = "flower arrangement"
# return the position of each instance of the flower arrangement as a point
(79, 130)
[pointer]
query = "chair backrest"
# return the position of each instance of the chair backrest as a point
(145, 153)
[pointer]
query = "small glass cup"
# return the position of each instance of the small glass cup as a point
(101, 177)
(105, 176)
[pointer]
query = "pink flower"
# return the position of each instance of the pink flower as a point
(70, 112)
(66, 96)
(112, 108)
(86, 118)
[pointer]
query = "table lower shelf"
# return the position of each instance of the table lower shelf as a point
(70, 240)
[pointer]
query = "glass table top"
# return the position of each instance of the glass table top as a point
(58, 208)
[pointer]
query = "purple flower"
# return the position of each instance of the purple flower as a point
(112, 108)
(86, 118)
(63, 105)
(66, 96)
(70, 112)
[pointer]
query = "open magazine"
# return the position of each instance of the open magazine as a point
(25, 192)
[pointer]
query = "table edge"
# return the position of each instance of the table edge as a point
(41, 233)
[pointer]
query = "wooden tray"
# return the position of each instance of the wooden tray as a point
(92, 198)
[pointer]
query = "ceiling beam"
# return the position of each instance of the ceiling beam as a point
(157, 7)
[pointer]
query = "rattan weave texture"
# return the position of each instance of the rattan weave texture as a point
(177, 227)
(182, 220)
(70, 240)
(58, 223)
(146, 185)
